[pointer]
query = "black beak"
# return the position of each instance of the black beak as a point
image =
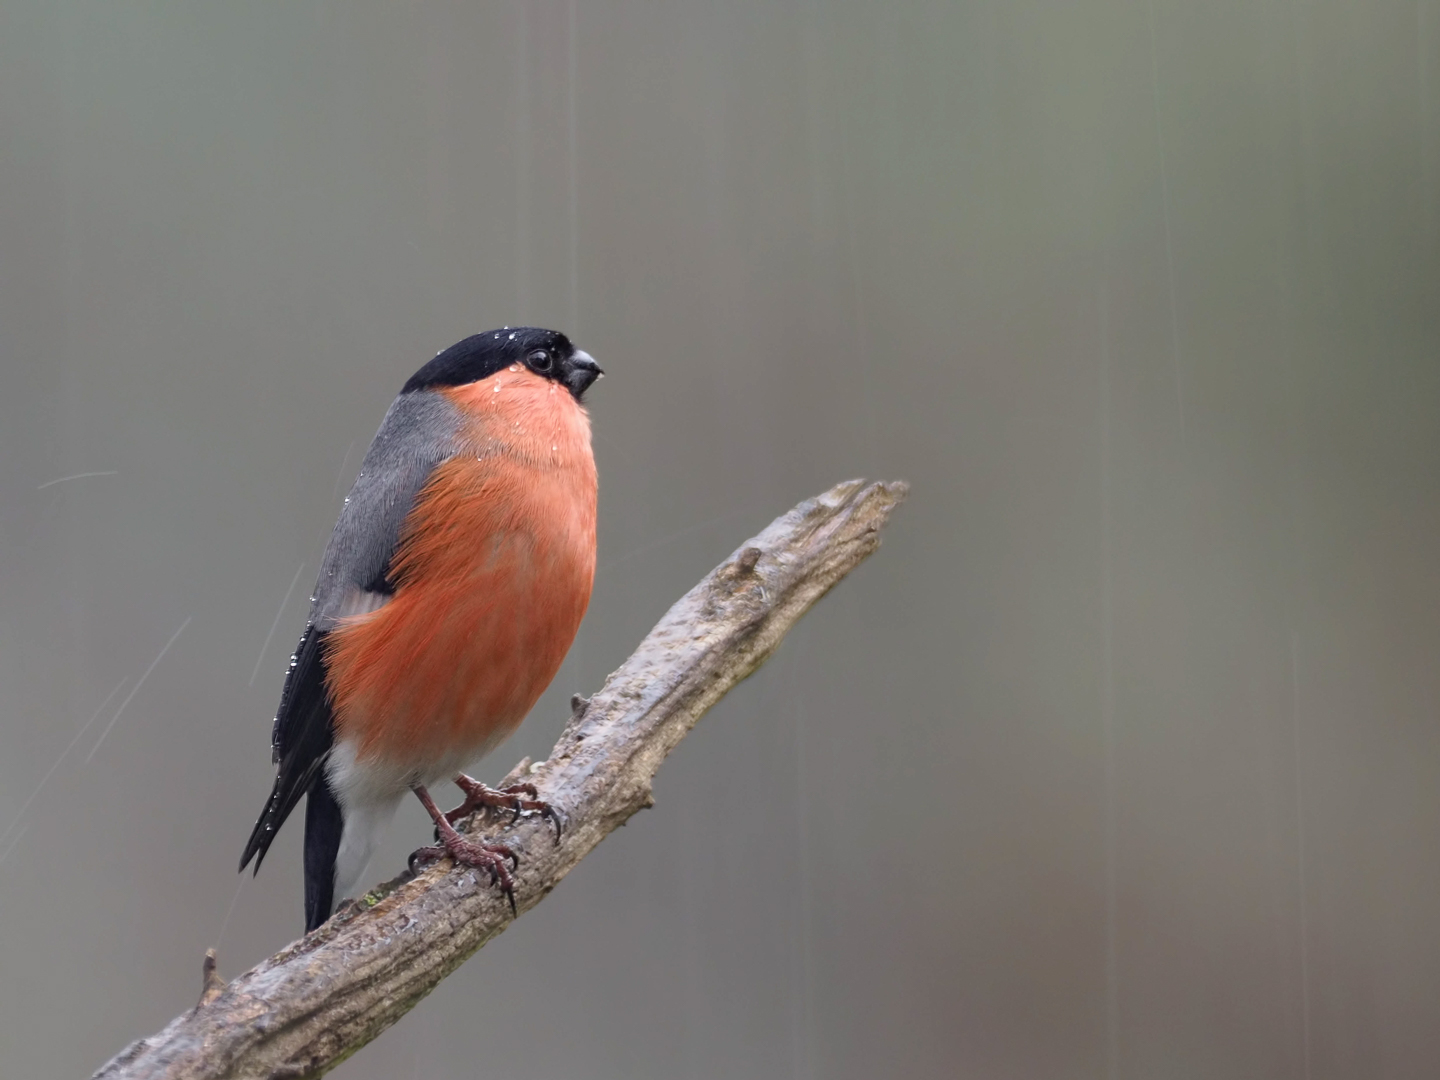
(582, 372)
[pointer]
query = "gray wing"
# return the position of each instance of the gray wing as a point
(417, 434)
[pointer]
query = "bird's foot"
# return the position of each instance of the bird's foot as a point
(483, 856)
(487, 857)
(517, 797)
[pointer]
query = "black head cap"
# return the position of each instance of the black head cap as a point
(545, 352)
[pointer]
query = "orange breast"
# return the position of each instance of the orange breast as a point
(494, 573)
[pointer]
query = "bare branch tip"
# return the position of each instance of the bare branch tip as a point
(212, 984)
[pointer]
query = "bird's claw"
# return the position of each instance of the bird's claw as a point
(534, 802)
(488, 858)
(424, 854)
(548, 811)
(506, 798)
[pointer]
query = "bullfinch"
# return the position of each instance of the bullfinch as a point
(449, 594)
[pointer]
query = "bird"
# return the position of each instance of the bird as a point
(450, 591)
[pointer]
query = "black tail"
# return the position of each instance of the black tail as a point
(323, 826)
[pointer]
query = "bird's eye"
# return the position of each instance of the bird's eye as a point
(540, 361)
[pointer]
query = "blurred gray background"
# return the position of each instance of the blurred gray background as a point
(1120, 759)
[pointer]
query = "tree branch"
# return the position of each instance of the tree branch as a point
(316, 1002)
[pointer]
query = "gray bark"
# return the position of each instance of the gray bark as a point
(320, 999)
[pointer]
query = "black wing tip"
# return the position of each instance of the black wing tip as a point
(277, 809)
(259, 842)
(301, 739)
(256, 847)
